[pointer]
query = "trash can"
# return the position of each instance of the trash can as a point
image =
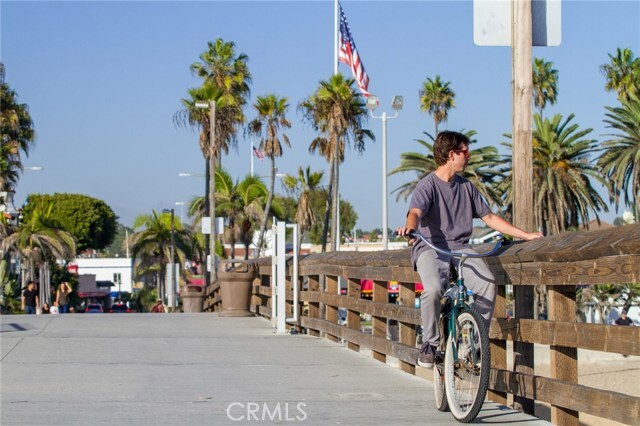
(236, 286)
(192, 298)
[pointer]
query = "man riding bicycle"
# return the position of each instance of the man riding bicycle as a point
(443, 206)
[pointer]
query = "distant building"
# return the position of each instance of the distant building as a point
(118, 270)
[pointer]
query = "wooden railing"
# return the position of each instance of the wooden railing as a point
(561, 263)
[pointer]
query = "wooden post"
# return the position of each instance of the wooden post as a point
(288, 302)
(331, 312)
(266, 282)
(379, 324)
(353, 317)
(256, 300)
(314, 307)
(522, 169)
(564, 360)
(407, 297)
(499, 347)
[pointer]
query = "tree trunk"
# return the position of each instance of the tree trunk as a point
(299, 242)
(232, 238)
(267, 208)
(335, 198)
(163, 274)
(327, 213)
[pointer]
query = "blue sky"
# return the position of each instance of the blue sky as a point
(103, 81)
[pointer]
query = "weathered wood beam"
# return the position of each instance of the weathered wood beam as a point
(601, 403)
(595, 337)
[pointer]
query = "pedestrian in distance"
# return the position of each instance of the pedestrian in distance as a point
(46, 309)
(443, 206)
(624, 319)
(30, 299)
(62, 297)
(157, 308)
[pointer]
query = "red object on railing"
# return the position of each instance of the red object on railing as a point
(366, 287)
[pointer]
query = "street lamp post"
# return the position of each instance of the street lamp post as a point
(172, 255)
(212, 184)
(396, 104)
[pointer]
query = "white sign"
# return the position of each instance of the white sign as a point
(492, 22)
(205, 225)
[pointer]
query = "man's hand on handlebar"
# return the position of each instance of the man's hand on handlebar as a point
(406, 232)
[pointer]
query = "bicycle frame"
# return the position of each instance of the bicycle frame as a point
(461, 299)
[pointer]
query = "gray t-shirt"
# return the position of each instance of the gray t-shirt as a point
(448, 210)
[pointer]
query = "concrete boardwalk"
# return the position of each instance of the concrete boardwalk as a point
(199, 369)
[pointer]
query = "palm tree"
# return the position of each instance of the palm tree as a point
(242, 202)
(623, 74)
(16, 134)
(39, 239)
(271, 119)
(337, 110)
(325, 149)
(302, 188)
(562, 173)
(620, 159)
(437, 98)
(151, 244)
(630, 295)
(228, 73)
(482, 169)
(600, 296)
(545, 84)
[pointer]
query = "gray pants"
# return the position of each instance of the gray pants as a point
(433, 269)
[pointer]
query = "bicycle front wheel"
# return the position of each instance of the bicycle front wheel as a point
(438, 387)
(467, 365)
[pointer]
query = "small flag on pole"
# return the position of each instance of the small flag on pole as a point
(348, 54)
(258, 153)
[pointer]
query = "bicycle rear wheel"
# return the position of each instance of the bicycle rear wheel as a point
(438, 386)
(467, 375)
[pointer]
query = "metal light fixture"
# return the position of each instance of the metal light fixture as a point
(372, 102)
(397, 102)
(186, 174)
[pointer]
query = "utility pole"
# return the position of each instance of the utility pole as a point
(522, 168)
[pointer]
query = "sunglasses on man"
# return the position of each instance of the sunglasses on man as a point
(464, 151)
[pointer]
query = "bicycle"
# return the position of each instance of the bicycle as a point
(462, 364)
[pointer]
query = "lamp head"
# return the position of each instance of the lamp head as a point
(397, 102)
(372, 102)
(202, 104)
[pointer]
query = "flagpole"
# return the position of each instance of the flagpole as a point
(251, 156)
(335, 37)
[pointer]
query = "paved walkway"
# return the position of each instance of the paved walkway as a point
(199, 369)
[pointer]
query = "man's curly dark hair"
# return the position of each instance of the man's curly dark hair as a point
(448, 141)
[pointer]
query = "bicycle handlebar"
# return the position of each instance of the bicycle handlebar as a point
(495, 248)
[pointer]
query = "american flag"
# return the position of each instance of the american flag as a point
(258, 153)
(348, 54)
